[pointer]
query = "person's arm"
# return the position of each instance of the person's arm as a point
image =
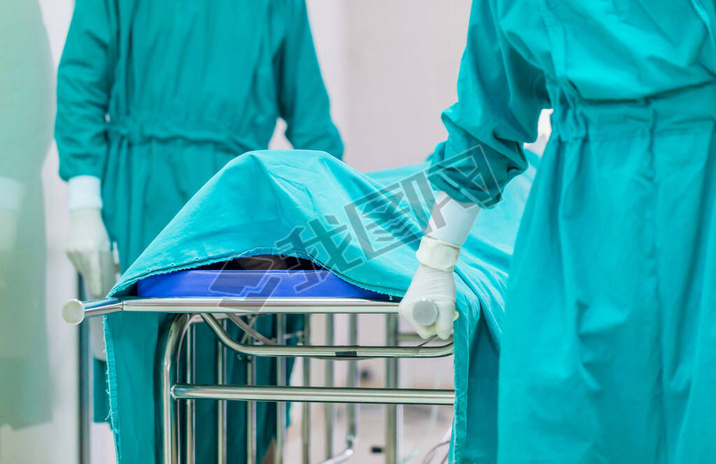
(500, 99)
(500, 96)
(84, 83)
(303, 99)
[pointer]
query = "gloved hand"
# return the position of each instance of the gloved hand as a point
(88, 246)
(89, 250)
(433, 285)
(436, 286)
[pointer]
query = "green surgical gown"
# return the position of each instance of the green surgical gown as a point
(154, 97)
(607, 352)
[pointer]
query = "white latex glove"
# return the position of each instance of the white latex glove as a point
(438, 287)
(88, 248)
(433, 286)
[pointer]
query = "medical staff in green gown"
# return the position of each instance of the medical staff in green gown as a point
(607, 352)
(154, 97)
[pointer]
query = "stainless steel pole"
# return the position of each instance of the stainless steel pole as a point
(306, 415)
(315, 394)
(75, 311)
(250, 411)
(329, 410)
(85, 386)
(352, 383)
(341, 352)
(168, 348)
(191, 379)
(391, 381)
(280, 382)
(221, 404)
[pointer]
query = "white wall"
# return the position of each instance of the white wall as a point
(402, 65)
(391, 68)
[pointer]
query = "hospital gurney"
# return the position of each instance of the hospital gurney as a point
(220, 298)
(362, 228)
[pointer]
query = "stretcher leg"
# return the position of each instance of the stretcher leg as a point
(190, 378)
(328, 408)
(352, 383)
(221, 404)
(306, 415)
(391, 381)
(250, 411)
(280, 382)
(170, 340)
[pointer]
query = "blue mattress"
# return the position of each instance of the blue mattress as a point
(244, 284)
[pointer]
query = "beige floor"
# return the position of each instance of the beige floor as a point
(423, 428)
(418, 435)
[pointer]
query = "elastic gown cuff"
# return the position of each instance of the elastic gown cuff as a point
(468, 177)
(438, 254)
(85, 193)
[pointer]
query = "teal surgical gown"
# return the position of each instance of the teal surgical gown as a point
(607, 352)
(154, 97)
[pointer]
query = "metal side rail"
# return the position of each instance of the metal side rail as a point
(335, 352)
(314, 394)
(75, 311)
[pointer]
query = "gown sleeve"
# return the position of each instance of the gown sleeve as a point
(84, 81)
(303, 99)
(500, 96)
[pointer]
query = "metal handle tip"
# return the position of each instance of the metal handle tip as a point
(73, 312)
(425, 312)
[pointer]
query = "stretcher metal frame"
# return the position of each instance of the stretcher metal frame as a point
(217, 313)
